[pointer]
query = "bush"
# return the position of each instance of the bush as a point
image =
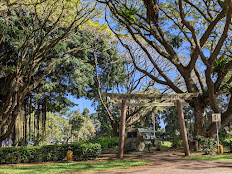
(208, 145)
(177, 142)
(228, 142)
(107, 142)
(81, 151)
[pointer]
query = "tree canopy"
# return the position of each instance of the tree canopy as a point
(193, 38)
(27, 40)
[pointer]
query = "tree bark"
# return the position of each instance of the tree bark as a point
(10, 127)
(44, 117)
(30, 111)
(153, 121)
(34, 136)
(1, 132)
(37, 125)
(199, 118)
(14, 137)
(115, 128)
(25, 123)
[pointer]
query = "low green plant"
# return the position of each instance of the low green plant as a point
(107, 142)
(177, 142)
(81, 151)
(208, 145)
(228, 142)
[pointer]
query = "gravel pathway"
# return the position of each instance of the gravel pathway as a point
(170, 163)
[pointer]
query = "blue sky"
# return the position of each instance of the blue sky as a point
(82, 104)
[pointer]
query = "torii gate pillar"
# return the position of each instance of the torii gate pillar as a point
(122, 130)
(183, 127)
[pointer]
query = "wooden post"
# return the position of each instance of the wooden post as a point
(183, 128)
(153, 121)
(122, 130)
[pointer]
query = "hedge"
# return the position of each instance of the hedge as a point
(29, 154)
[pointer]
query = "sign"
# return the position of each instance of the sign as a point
(216, 117)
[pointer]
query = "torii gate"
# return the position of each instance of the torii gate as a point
(176, 100)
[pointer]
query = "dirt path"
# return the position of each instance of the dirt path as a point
(170, 163)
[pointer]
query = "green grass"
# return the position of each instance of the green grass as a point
(166, 144)
(70, 167)
(212, 157)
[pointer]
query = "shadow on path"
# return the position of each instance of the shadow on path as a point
(170, 163)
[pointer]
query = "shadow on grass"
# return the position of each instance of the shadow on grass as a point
(73, 167)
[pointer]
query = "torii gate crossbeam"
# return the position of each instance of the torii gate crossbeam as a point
(170, 97)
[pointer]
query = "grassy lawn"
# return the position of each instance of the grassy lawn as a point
(212, 157)
(70, 167)
(166, 144)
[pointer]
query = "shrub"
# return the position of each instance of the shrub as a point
(177, 142)
(208, 145)
(228, 142)
(30, 154)
(107, 142)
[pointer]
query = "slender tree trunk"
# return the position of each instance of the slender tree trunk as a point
(25, 123)
(153, 121)
(9, 137)
(34, 136)
(44, 117)
(14, 136)
(1, 132)
(38, 119)
(30, 112)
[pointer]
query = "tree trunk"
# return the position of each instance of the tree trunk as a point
(37, 125)
(1, 132)
(30, 112)
(25, 123)
(44, 117)
(199, 118)
(14, 137)
(10, 127)
(9, 137)
(115, 128)
(34, 136)
(153, 121)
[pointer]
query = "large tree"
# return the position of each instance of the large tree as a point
(193, 37)
(28, 34)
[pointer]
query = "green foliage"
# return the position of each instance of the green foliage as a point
(208, 145)
(107, 142)
(177, 142)
(10, 155)
(129, 12)
(57, 128)
(227, 142)
(219, 65)
(176, 41)
(82, 127)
